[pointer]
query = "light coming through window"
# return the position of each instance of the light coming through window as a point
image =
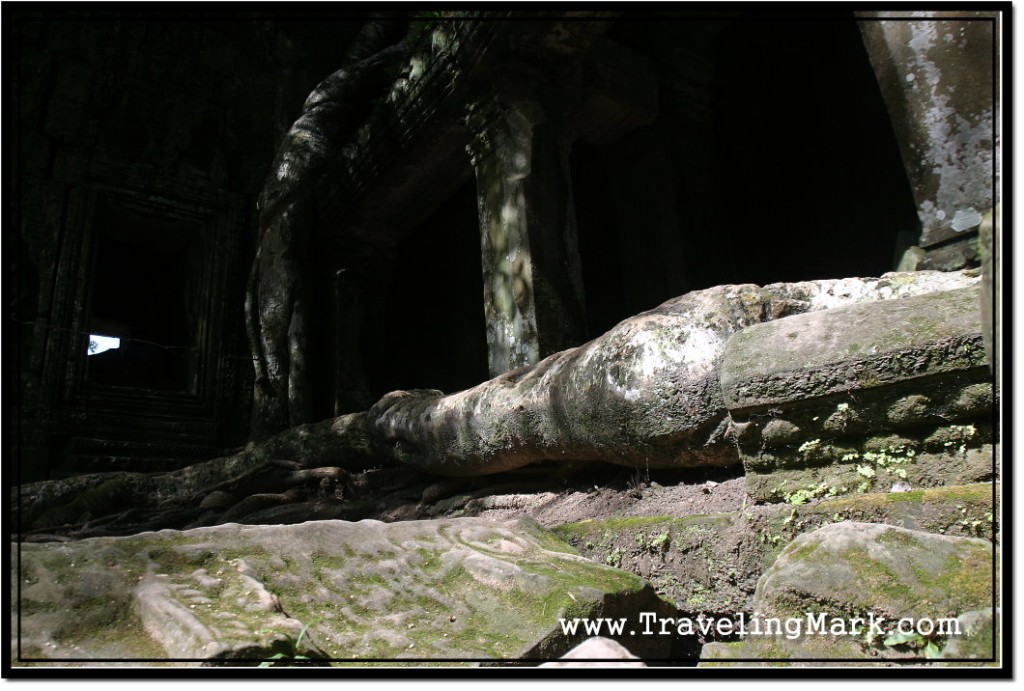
(101, 344)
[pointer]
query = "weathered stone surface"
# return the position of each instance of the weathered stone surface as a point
(857, 347)
(710, 564)
(452, 589)
(978, 637)
(597, 652)
(890, 571)
(873, 572)
(644, 394)
(936, 75)
(878, 464)
(863, 396)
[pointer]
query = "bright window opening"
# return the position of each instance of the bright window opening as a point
(101, 344)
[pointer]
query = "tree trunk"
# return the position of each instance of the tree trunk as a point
(278, 292)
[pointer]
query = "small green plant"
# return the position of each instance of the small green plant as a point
(892, 460)
(294, 655)
(768, 539)
(803, 495)
(791, 517)
(809, 445)
(800, 497)
(916, 641)
(660, 541)
(973, 526)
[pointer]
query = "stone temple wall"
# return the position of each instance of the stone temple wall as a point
(141, 143)
(613, 162)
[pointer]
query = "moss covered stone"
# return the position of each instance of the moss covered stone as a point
(849, 570)
(864, 396)
(978, 638)
(711, 564)
(843, 593)
(458, 589)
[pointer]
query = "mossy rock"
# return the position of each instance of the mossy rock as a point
(710, 565)
(857, 568)
(978, 638)
(886, 574)
(457, 589)
(846, 591)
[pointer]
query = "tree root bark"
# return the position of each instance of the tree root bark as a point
(309, 461)
(644, 395)
(278, 293)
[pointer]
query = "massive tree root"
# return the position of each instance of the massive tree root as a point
(646, 394)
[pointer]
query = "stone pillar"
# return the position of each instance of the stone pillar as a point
(533, 285)
(936, 75)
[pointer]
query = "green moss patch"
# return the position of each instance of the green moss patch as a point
(452, 589)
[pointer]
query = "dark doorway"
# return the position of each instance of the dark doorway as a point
(434, 334)
(145, 274)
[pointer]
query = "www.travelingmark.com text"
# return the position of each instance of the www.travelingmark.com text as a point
(810, 624)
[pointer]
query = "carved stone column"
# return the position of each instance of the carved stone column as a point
(533, 285)
(936, 75)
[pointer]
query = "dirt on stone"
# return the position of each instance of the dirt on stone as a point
(556, 496)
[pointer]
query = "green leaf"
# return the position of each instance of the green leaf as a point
(270, 660)
(931, 650)
(902, 639)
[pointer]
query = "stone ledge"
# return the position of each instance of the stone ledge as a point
(853, 348)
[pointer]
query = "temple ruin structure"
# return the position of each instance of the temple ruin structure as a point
(529, 180)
